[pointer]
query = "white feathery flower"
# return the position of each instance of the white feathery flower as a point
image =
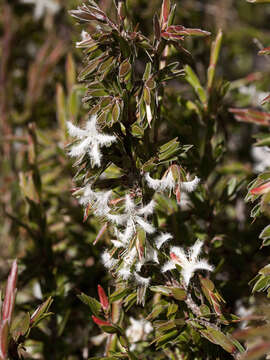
(101, 204)
(189, 262)
(117, 243)
(107, 260)
(124, 273)
(130, 257)
(91, 140)
(125, 236)
(161, 239)
(139, 265)
(168, 266)
(142, 280)
(190, 186)
(97, 199)
(168, 183)
(132, 217)
(43, 6)
(151, 254)
(88, 196)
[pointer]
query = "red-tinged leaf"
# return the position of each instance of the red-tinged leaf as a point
(265, 51)
(252, 116)
(86, 212)
(100, 322)
(10, 294)
(183, 31)
(178, 194)
(215, 303)
(100, 233)
(116, 201)
(262, 189)
(165, 11)
(171, 36)
(265, 100)
(3, 339)
(157, 29)
(103, 298)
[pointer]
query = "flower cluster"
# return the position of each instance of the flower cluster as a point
(133, 244)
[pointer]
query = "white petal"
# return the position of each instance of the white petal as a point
(95, 154)
(168, 266)
(190, 186)
(129, 204)
(148, 228)
(153, 183)
(147, 209)
(187, 274)
(117, 243)
(91, 126)
(161, 239)
(142, 280)
(124, 273)
(128, 233)
(151, 254)
(179, 252)
(107, 260)
(75, 131)
(101, 204)
(195, 250)
(203, 265)
(169, 182)
(117, 219)
(130, 257)
(79, 149)
(106, 140)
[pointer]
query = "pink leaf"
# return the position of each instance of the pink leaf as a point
(262, 189)
(103, 298)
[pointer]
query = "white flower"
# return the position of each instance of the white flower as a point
(138, 331)
(98, 200)
(168, 183)
(261, 155)
(189, 262)
(107, 260)
(41, 6)
(91, 140)
(142, 280)
(189, 186)
(124, 273)
(131, 218)
(161, 239)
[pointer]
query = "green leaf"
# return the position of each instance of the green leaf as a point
(164, 339)
(194, 81)
(94, 305)
(119, 294)
(20, 326)
(262, 284)
(147, 71)
(37, 316)
(116, 112)
(179, 294)
(218, 338)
